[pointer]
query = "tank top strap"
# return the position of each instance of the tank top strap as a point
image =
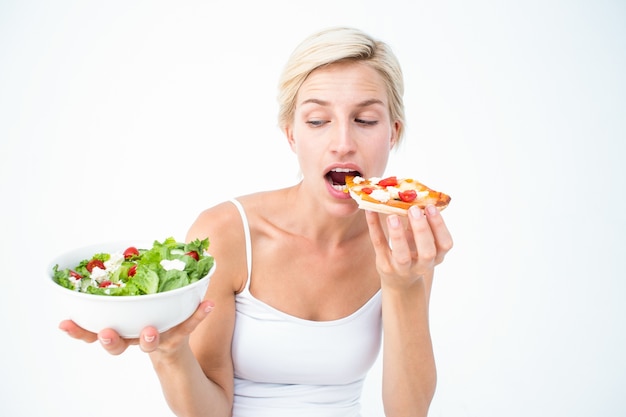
(246, 230)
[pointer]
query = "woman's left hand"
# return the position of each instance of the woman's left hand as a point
(412, 249)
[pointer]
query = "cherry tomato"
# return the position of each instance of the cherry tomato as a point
(388, 182)
(132, 271)
(408, 195)
(93, 263)
(131, 252)
(105, 284)
(75, 275)
(367, 190)
(193, 254)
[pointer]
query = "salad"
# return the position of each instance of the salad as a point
(166, 266)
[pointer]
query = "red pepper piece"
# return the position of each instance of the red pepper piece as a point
(93, 263)
(131, 252)
(408, 195)
(388, 182)
(193, 254)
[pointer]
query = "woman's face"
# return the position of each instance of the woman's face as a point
(341, 126)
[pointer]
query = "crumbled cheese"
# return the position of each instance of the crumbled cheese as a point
(380, 195)
(358, 180)
(98, 274)
(394, 192)
(406, 185)
(76, 282)
(176, 264)
(114, 262)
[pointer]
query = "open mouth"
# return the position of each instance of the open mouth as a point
(337, 177)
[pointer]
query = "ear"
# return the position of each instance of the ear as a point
(289, 134)
(395, 134)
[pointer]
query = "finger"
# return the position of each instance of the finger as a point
(113, 343)
(400, 249)
(77, 332)
(149, 339)
(203, 310)
(377, 234)
(423, 237)
(443, 238)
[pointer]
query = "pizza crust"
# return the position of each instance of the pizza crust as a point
(377, 207)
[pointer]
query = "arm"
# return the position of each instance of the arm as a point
(199, 378)
(188, 389)
(409, 373)
(193, 360)
(196, 374)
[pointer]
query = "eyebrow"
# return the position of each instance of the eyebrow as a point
(364, 103)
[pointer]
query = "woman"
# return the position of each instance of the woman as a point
(306, 281)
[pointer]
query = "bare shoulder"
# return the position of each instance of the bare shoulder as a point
(223, 226)
(265, 204)
(212, 220)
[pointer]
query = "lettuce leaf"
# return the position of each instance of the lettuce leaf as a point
(146, 280)
(173, 279)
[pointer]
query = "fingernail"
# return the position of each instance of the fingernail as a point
(394, 221)
(208, 308)
(432, 210)
(105, 341)
(148, 338)
(415, 212)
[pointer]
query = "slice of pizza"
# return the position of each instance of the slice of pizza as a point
(393, 195)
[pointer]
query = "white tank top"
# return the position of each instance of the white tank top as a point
(286, 366)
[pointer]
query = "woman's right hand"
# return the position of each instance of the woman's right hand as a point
(150, 340)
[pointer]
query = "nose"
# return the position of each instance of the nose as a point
(343, 140)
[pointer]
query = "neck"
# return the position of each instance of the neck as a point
(318, 220)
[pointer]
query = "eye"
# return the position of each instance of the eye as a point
(366, 122)
(316, 123)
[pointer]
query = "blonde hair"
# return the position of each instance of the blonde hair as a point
(340, 44)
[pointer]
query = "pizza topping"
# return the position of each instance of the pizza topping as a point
(408, 195)
(396, 194)
(388, 182)
(337, 176)
(380, 195)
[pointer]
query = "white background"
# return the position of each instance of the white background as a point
(126, 119)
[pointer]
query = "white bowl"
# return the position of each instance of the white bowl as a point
(127, 315)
